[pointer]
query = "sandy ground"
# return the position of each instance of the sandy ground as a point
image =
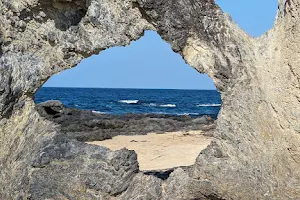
(161, 151)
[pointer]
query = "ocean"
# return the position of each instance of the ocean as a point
(137, 101)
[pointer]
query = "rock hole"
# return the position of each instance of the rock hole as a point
(167, 128)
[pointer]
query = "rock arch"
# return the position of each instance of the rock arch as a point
(255, 154)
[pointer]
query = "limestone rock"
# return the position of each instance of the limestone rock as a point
(255, 154)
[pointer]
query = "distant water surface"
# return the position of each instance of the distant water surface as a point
(145, 101)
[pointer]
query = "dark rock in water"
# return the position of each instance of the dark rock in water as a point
(51, 108)
(85, 125)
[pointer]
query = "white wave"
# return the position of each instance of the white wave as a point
(182, 114)
(152, 104)
(129, 101)
(98, 112)
(209, 105)
(168, 105)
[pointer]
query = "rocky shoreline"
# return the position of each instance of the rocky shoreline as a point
(85, 125)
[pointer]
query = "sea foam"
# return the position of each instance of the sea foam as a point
(168, 105)
(129, 101)
(98, 112)
(183, 114)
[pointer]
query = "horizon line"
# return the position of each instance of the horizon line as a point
(125, 88)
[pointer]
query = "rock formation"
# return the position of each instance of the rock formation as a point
(86, 126)
(255, 153)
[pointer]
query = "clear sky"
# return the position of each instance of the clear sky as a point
(151, 63)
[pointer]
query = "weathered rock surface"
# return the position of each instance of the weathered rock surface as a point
(255, 154)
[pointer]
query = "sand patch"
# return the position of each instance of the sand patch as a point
(161, 151)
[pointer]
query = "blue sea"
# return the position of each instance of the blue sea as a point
(141, 101)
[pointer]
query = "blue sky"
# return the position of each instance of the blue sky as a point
(151, 63)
